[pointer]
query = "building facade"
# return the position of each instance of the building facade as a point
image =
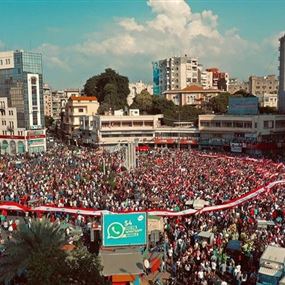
(236, 85)
(114, 130)
(244, 128)
(281, 90)
(206, 79)
(220, 79)
(136, 88)
(21, 81)
(47, 100)
(269, 100)
(194, 95)
(260, 85)
(174, 73)
(76, 108)
(15, 140)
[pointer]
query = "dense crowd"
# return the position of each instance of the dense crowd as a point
(163, 179)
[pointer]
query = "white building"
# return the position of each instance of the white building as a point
(143, 129)
(47, 100)
(136, 88)
(14, 140)
(281, 91)
(269, 100)
(206, 79)
(175, 73)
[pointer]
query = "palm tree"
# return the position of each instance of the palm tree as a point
(35, 250)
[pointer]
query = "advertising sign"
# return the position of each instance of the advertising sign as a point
(156, 72)
(243, 106)
(124, 229)
(236, 147)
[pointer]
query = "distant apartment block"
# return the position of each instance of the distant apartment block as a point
(47, 100)
(236, 85)
(259, 85)
(194, 95)
(174, 73)
(136, 88)
(220, 79)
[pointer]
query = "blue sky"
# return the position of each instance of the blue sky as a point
(81, 38)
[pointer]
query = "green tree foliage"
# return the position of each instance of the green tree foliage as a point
(219, 104)
(242, 93)
(267, 110)
(143, 102)
(110, 88)
(36, 251)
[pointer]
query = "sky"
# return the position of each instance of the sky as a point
(80, 38)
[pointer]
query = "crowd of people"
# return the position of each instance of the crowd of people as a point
(167, 179)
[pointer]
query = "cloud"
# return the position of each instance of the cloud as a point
(130, 24)
(130, 45)
(53, 56)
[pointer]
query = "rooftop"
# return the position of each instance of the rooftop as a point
(83, 98)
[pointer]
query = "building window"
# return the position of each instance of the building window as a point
(80, 110)
(3, 123)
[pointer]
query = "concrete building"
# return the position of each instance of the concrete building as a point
(220, 80)
(72, 92)
(269, 100)
(194, 95)
(206, 79)
(245, 128)
(21, 81)
(47, 100)
(15, 140)
(114, 130)
(281, 91)
(260, 85)
(75, 108)
(174, 73)
(137, 88)
(237, 85)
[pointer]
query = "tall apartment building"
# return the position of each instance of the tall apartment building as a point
(260, 85)
(174, 73)
(281, 91)
(21, 81)
(47, 100)
(206, 79)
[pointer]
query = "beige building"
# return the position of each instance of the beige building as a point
(236, 85)
(14, 140)
(47, 100)
(194, 95)
(259, 85)
(269, 100)
(76, 108)
(245, 127)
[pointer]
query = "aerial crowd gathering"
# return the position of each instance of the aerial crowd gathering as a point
(163, 180)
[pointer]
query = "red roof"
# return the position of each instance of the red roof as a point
(83, 98)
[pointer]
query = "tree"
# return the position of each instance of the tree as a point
(143, 102)
(190, 113)
(110, 88)
(267, 110)
(35, 250)
(243, 93)
(219, 104)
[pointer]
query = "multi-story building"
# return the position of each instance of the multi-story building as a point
(260, 85)
(281, 91)
(58, 103)
(15, 140)
(110, 130)
(236, 85)
(136, 88)
(245, 128)
(174, 73)
(21, 81)
(269, 100)
(206, 79)
(75, 108)
(47, 100)
(220, 80)
(194, 95)
(72, 92)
